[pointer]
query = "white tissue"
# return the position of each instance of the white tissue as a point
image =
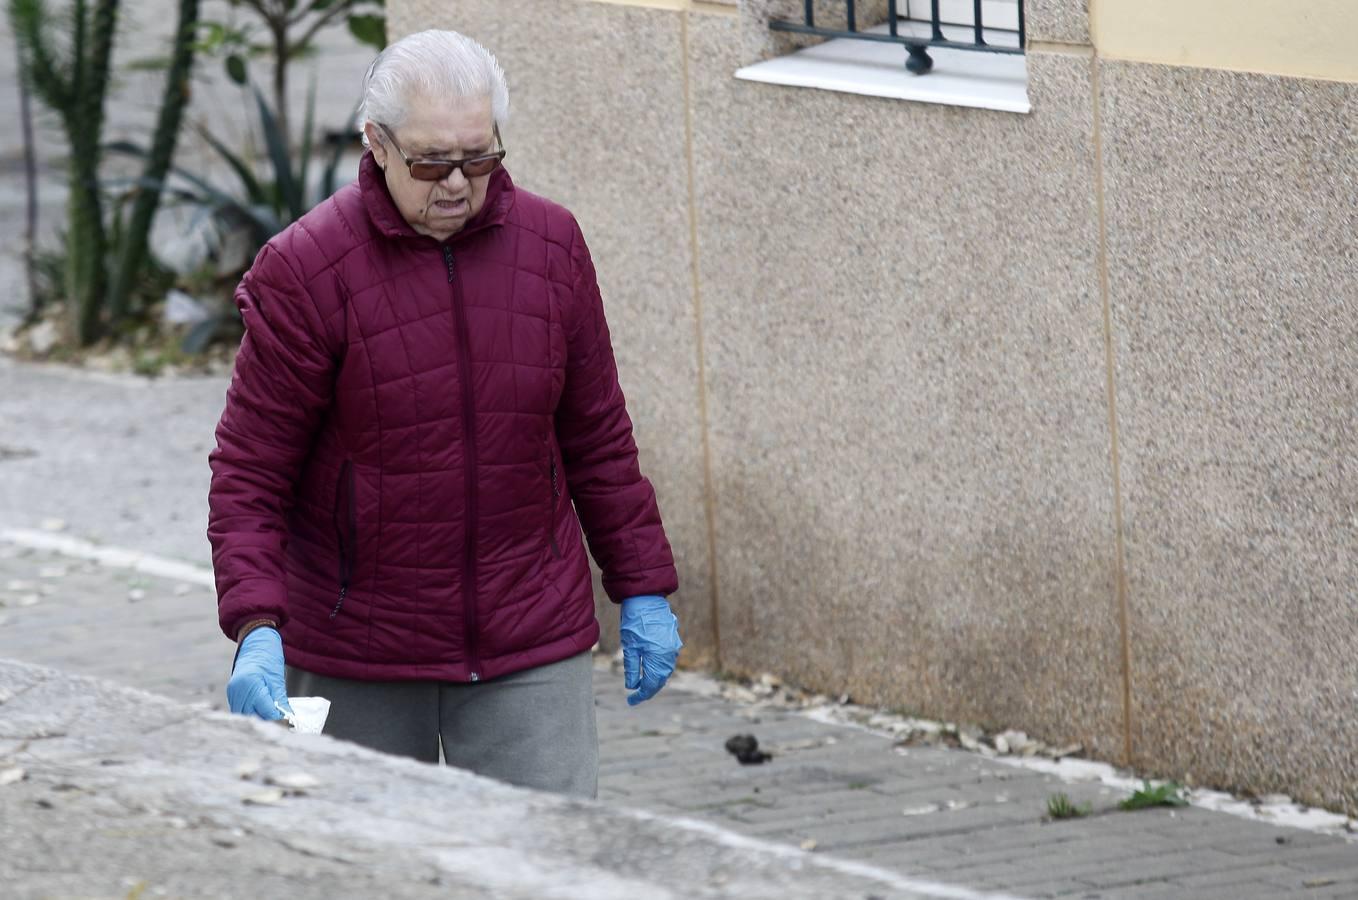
(308, 714)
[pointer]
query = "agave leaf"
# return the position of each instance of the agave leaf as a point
(238, 165)
(308, 124)
(263, 224)
(277, 144)
(201, 334)
(326, 187)
(202, 212)
(327, 183)
(265, 219)
(259, 218)
(258, 215)
(128, 148)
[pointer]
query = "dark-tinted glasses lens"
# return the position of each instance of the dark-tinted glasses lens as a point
(437, 170)
(481, 165)
(431, 171)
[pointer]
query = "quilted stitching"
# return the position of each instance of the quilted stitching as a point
(352, 353)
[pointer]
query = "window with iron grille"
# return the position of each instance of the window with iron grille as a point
(957, 52)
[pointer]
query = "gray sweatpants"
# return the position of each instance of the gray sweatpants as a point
(534, 728)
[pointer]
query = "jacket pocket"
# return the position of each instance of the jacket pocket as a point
(556, 496)
(345, 519)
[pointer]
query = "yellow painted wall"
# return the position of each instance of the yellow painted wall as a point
(1306, 38)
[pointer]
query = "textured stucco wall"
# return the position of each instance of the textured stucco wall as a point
(1040, 420)
(1062, 21)
(909, 443)
(1233, 216)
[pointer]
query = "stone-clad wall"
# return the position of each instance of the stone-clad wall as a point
(907, 399)
(1040, 420)
(1233, 265)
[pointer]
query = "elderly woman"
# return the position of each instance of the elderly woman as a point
(424, 401)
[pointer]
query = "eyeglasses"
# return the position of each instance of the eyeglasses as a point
(439, 169)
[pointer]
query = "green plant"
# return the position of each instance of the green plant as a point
(258, 204)
(262, 205)
(48, 278)
(73, 81)
(285, 31)
(1059, 806)
(30, 178)
(132, 254)
(1170, 793)
(148, 286)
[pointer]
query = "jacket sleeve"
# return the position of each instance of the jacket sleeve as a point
(282, 384)
(615, 502)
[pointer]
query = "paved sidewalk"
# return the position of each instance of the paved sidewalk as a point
(943, 816)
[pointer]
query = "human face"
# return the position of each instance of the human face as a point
(451, 128)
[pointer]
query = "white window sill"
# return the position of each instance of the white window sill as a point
(972, 78)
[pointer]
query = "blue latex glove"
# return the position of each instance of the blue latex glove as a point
(257, 678)
(650, 646)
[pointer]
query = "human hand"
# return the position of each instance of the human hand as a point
(650, 645)
(256, 683)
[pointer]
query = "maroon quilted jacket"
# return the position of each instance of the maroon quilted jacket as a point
(410, 432)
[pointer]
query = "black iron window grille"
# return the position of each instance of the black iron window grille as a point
(924, 24)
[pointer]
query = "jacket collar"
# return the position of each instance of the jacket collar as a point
(388, 220)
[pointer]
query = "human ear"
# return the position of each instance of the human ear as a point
(379, 149)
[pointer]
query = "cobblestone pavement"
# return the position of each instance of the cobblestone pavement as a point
(122, 461)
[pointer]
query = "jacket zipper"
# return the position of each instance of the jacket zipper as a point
(551, 522)
(469, 420)
(348, 535)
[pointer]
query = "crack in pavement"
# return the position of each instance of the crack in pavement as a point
(5, 698)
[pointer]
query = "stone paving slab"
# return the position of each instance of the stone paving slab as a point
(844, 788)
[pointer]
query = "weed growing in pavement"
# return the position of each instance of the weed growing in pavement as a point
(1168, 794)
(1060, 807)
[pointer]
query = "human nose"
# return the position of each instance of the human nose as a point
(454, 179)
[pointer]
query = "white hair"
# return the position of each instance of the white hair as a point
(431, 63)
